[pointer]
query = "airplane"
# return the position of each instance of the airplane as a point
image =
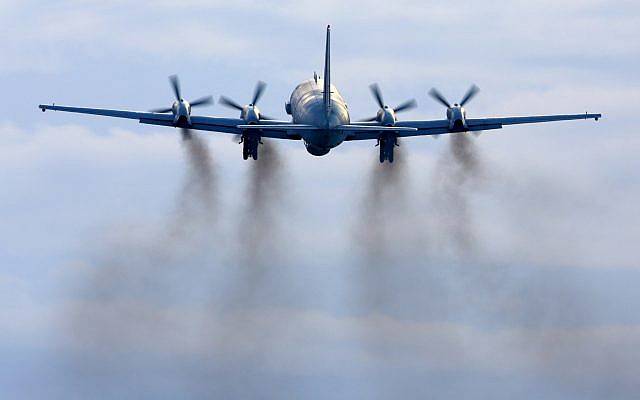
(319, 117)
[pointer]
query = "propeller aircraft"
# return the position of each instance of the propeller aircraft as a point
(319, 117)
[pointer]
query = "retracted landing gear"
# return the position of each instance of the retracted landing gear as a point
(250, 142)
(387, 143)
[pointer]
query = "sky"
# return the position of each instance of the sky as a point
(134, 264)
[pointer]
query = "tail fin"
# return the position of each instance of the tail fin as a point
(327, 73)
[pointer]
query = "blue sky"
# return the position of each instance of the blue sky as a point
(116, 283)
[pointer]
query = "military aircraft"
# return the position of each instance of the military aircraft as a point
(320, 117)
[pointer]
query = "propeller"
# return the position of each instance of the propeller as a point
(471, 93)
(175, 84)
(250, 112)
(439, 97)
(387, 115)
(456, 114)
(181, 106)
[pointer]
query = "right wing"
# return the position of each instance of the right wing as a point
(441, 126)
(437, 127)
(497, 122)
(213, 124)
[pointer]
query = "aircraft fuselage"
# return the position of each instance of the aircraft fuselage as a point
(306, 106)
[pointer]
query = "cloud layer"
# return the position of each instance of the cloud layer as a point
(319, 277)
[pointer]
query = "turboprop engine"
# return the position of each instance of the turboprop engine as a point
(251, 115)
(181, 108)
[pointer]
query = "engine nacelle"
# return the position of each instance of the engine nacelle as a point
(386, 116)
(181, 112)
(457, 118)
(250, 114)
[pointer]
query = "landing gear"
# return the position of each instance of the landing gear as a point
(250, 142)
(387, 143)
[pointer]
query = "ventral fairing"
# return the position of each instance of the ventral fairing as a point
(319, 117)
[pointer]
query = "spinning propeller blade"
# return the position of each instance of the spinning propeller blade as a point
(439, 97)
(377, 94)
(162, 110)
(258, 91)
(175, 84)
(473, 90)
(471, 93)
(225, 101)
(257, 94)
(407, 105)
(368, 119)
(202, 101)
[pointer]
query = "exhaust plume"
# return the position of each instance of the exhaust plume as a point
(381, 216)
(142, 270)
(456, 175)
(197, 201)
(258, 277)
(260, 227)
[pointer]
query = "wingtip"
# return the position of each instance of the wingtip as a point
(594, 116)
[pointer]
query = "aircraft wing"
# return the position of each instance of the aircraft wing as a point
(401, 128)
(213, 124)
(478, 124)
(354, 132)
(439, 127)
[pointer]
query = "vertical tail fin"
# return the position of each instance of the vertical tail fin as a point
(327, 73)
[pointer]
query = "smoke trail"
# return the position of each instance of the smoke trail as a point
(260, 228)
(257, 278)
(260, 249)
(465, 153)
(197, 200)
(141, 271)
(456, 175)
(381, 216)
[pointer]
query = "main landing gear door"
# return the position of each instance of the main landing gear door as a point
(250, 142)
(387, 143)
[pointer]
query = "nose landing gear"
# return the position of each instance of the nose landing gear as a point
(387, 143)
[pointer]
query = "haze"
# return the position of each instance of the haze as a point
(136, 265)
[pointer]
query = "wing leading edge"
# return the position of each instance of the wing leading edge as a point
(440, 127)
(287, 130)
(213, 124)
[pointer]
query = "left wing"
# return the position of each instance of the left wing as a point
(214, 124)
(401, 128)
(439, 127)
(496, 123)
